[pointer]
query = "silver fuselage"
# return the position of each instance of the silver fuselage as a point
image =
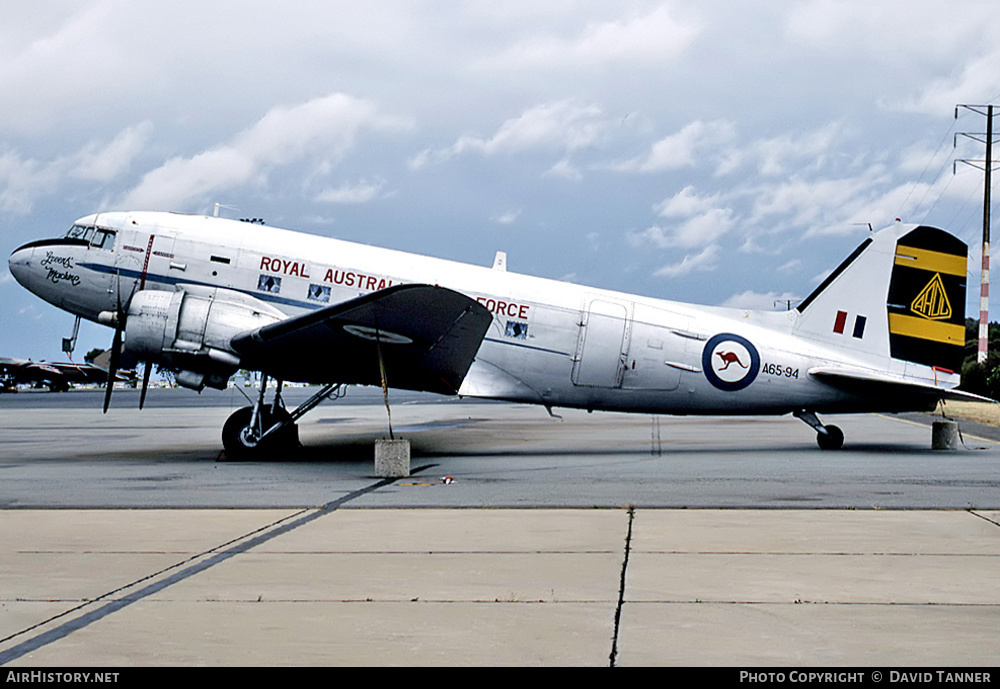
(550, 342)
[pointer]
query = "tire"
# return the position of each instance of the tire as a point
(833, 439)
(239, 447)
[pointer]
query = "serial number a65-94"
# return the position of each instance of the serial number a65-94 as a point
(778, 370)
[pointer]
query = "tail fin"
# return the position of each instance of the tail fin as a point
(901, 294)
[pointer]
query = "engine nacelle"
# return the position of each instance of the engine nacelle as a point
(189, 331)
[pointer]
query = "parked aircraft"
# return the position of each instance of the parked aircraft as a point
(58, 376)
(206, 296)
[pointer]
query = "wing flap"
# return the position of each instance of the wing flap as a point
(871, 383)
(427, 338)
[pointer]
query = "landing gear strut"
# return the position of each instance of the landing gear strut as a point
(827, 437)
(265, 430)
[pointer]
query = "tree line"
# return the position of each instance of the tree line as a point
(981, 378)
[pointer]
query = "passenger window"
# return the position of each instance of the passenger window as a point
(319, 293)
(269, 283)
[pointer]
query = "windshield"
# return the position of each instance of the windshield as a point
(80, 232)
(97, 236)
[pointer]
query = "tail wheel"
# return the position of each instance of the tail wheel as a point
(833, 439)
(242, 443)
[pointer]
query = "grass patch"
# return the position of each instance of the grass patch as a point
(982, 412)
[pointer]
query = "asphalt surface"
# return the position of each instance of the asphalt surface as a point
(518, 539)
(60, 451)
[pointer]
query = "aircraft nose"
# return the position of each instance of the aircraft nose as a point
(20, 264)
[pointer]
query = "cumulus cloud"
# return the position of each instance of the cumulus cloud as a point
(699, 230)
(823, 206)
(686, 202)
(24, 180)
(562, 126)
(21, 181)
(564, 169)
(105, 162)
(775, 156)
(74, 61)
(651, 37)
(931, 29)
(789, 265)
(975, 82)
(960, 49)
(683, 148)
(704, 261)
(507, 217)
(324, 128)
(357, 193)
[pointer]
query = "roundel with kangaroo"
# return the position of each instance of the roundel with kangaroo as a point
(730, 362)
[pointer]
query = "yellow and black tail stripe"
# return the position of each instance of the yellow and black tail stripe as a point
(933, 261)
(933, 331)
(926, 300)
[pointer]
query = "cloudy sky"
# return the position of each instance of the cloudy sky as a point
(717, 152)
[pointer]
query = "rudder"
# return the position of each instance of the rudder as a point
(926, 301)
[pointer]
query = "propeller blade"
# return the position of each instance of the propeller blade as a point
(116, 343)
(116, 350)
(145, 383)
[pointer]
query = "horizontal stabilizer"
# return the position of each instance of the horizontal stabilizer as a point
(426, 338)
(874, 384)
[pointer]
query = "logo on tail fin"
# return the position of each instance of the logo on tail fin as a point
(932, 302)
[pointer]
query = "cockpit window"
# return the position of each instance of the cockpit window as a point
(103, 239)
(80, 232)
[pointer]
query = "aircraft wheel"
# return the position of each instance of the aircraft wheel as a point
(234, 438)
(833, 439)
(240, 445)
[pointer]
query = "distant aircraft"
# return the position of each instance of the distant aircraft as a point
(58, 376)
(205, 296)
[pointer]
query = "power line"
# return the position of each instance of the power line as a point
(922, 174)
(987, 168)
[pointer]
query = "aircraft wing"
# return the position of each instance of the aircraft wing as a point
(426, 337)
(39, 371)
(42, 370)
(77, 373)
(872, 383)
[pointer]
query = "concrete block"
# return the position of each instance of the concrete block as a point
(392, 458)
(944, 435)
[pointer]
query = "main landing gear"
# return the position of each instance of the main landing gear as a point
(267, 430)
(827, 437)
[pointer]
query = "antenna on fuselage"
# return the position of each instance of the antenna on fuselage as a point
(219, 205)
